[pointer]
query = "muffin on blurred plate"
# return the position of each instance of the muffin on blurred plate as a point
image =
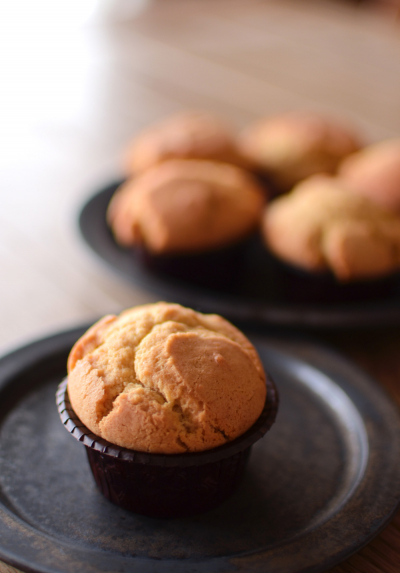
(188, 218)
(188, 135)
(333, 236)
(290, 147)
(375, 173)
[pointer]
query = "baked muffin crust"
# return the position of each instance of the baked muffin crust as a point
(322, 226)
(296, 145)
(162, 378)
(184, 206)
(374, 172)
(188, 135)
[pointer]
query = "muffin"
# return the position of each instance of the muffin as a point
(168, 402)
(321, 226)
(165, 379)
(188, 218)
(293, 146)
(186, 206)
(188, 135)
(374, 172)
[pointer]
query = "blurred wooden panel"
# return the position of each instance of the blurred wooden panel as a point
(340, 59)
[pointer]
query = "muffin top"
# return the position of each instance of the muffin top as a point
(375, 173)
(321, 225)
(162, 378)
(184, 206)
(293, 146)
(188, 135)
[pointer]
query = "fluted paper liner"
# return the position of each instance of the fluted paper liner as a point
(167, 485)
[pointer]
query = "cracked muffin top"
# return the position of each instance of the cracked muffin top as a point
(188, 135)
(162, 378)
(186, 206)
(296, 145)
(322, 226)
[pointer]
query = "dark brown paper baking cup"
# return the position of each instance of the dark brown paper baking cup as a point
(302, 286)
(167, 485)
(210, 269)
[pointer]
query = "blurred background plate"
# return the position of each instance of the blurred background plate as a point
(323, 482)
(258, 298)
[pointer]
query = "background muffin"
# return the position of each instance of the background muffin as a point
(186, 206)
(293, 146)
(322, 226)
(165, 379)
(375, 173)
(189, 135)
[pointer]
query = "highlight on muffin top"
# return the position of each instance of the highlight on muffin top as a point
(163, 378)
(374, 172)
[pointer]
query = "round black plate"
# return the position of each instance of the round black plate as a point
(320, 485)
(260, 296)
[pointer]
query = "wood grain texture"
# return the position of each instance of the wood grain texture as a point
(72, 96)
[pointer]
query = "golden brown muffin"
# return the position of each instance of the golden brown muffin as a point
(293, 146)
(189, 135)
(184, 206)
(162, 378)
(375, 173)
(320, 225)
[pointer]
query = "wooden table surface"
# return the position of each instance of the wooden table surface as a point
(76, 85)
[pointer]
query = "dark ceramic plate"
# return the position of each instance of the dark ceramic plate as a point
(263, 293)
(322, 483)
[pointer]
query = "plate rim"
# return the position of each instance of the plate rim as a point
(29, 356)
